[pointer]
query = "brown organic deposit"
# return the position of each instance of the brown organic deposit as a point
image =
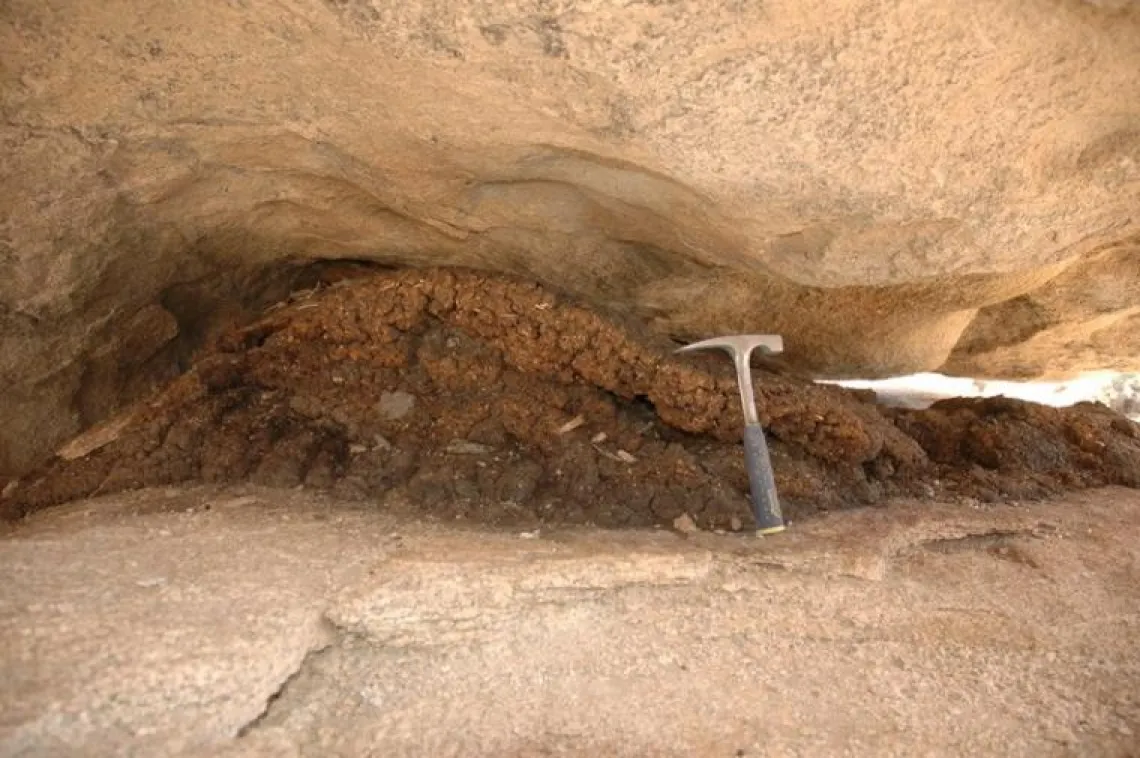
(463, 395)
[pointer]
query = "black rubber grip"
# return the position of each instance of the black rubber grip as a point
(765, 502)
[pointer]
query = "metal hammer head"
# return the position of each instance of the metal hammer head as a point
(740, 347)
(739, 343)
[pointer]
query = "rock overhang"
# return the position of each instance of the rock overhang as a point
(893, 188)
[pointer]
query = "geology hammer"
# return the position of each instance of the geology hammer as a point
(765, 504)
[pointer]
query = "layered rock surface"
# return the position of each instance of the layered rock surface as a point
(200, 622)
(892, 186)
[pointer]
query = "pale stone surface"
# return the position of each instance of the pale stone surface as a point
(891, 185)
(248, 622)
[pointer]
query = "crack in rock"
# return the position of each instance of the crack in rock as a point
(322, 648)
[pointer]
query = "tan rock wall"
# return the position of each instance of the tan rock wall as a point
(864, 177)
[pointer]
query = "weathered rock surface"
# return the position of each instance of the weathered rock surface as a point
(893, 186)
(254, 623)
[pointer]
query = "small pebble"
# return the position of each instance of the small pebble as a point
(685, 524)
(395, 405)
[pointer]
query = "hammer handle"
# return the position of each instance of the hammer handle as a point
(765, 503)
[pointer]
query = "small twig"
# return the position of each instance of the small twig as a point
(572, 424)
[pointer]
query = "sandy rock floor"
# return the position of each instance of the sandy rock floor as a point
(248, 621)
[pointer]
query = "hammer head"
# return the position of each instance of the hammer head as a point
(740, 347)
(739, 344)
